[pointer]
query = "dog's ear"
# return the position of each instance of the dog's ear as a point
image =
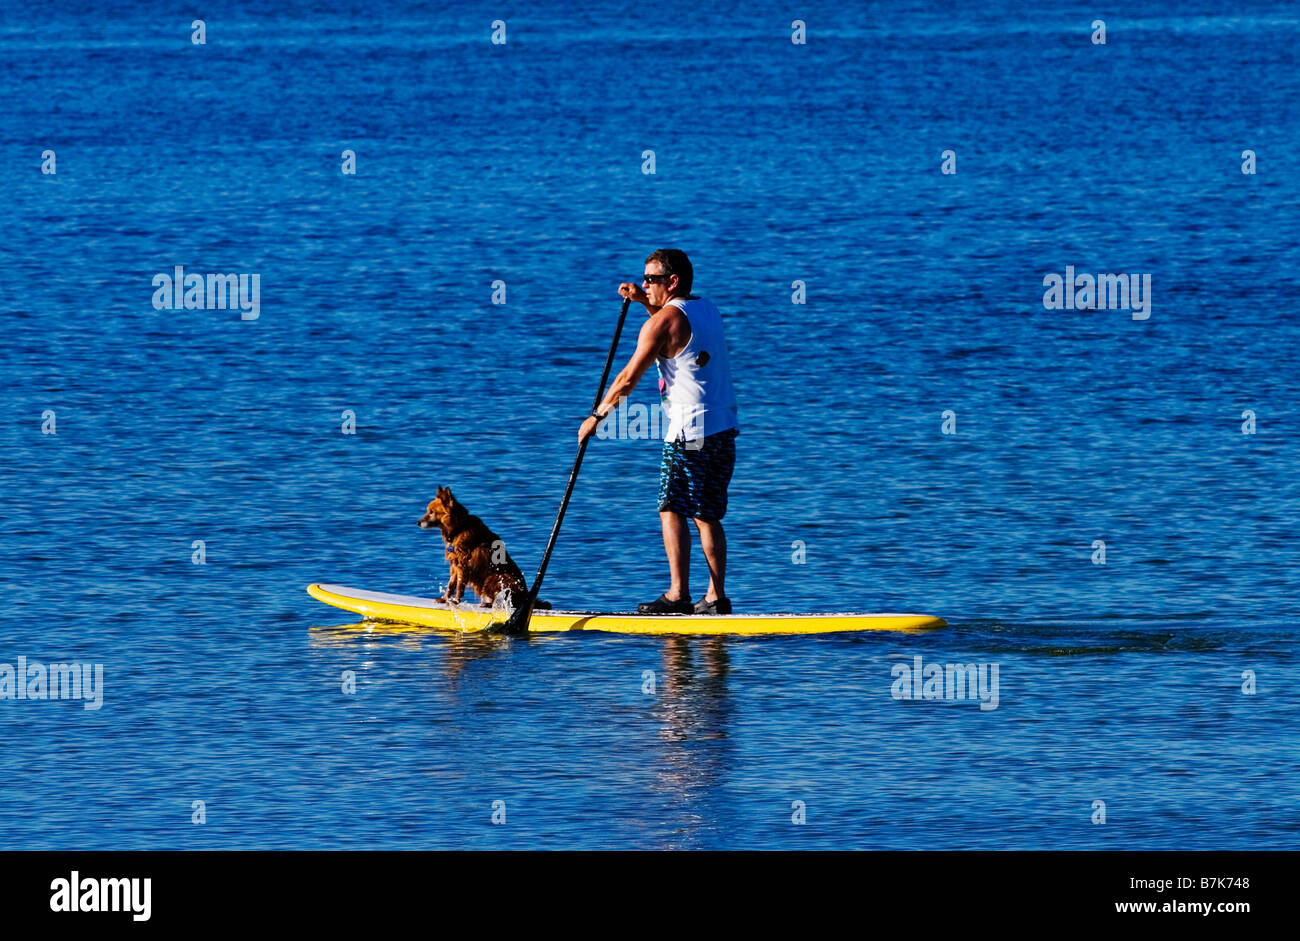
(441, 491)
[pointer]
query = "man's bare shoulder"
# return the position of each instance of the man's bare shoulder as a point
(654, 332)
(672, 330)
(669, 314)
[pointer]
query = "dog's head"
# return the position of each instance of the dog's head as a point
(441, 510)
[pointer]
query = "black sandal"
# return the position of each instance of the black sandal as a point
(719, 606)
(662, 605)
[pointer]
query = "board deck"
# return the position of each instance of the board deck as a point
(472, 618)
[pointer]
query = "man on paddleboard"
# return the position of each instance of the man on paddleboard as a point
(683, 337)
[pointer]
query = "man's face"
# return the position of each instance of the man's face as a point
(654, 284)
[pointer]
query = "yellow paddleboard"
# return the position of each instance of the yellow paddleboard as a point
(469, 618)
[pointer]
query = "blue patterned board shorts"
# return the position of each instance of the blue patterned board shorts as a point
(693, 481)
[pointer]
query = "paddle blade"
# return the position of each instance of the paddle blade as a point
(517, 623)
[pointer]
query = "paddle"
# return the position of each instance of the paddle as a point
(517, 623)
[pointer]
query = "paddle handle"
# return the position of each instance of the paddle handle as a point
(609, 361)
(518, 621)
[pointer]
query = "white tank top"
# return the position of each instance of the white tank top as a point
(695, 385)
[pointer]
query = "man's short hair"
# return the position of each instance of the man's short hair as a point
(675, 262)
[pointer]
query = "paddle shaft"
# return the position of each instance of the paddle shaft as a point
(518, 621)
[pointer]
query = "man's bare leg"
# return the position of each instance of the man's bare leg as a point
(714, 542)
(677, 543)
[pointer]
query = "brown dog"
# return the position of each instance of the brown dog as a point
(476, 555)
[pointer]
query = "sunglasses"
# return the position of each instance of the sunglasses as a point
(656, 279)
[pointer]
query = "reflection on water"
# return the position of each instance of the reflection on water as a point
(686, 729)
(692, 701)
(460, 649)
(349, 635)
(693, 708)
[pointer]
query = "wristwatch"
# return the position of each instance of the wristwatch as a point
(595, 413)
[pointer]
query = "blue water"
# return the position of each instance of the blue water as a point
(1119, 682)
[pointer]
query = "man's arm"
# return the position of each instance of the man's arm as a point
(652, 340)
(649, 344)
